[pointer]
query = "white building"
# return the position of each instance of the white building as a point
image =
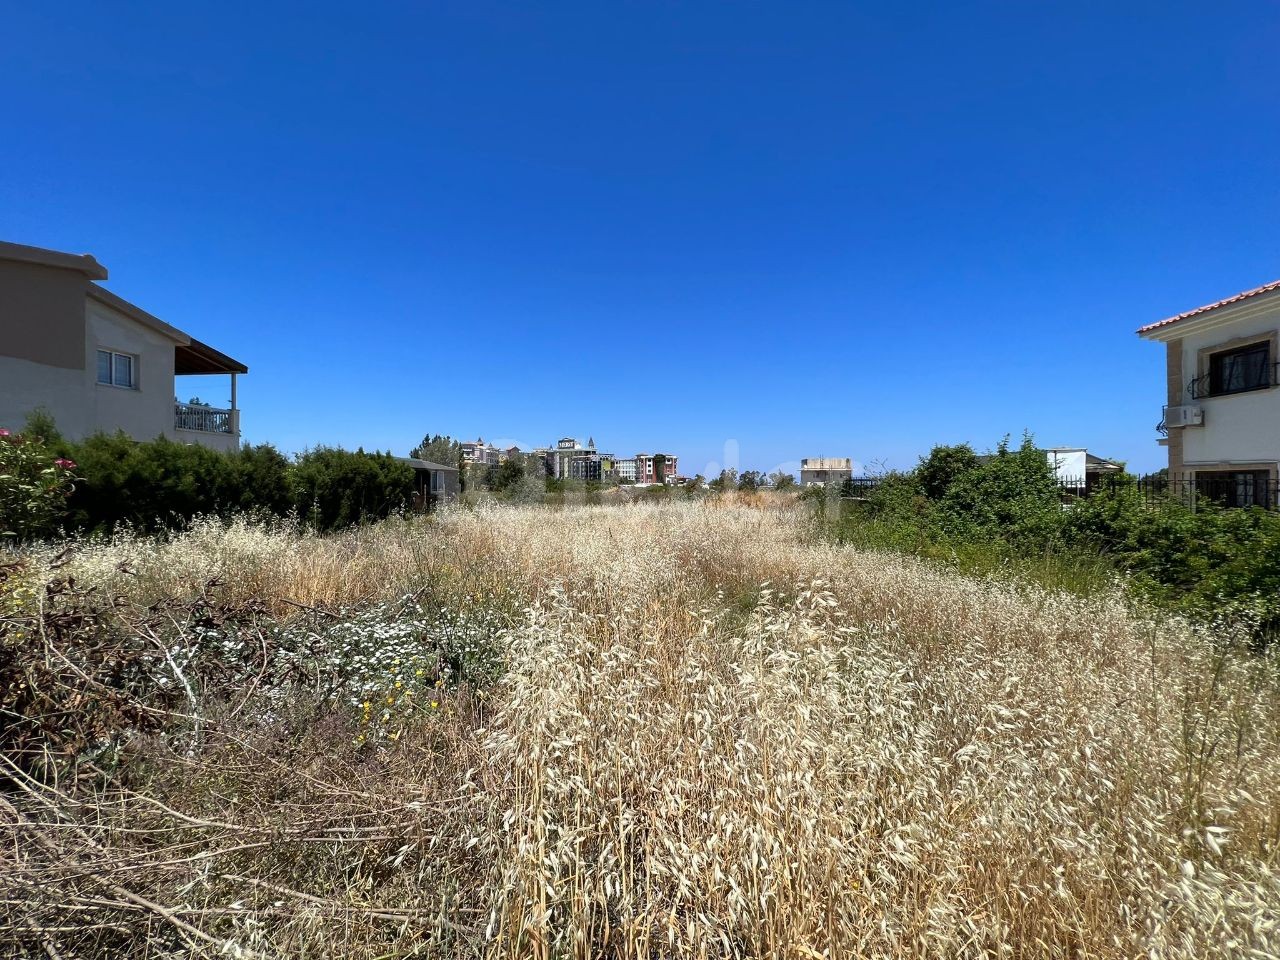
(1221, 421)
(1077, 468)
(626, 469)
(97, 363)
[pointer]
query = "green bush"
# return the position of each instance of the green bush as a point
(942, 467)
(334, 488)
(1207, 561)
(953, 498)
(262, 479)
(159, 484)
(34, 486)
(1006, 513)
(149, 486)
(1011, 496)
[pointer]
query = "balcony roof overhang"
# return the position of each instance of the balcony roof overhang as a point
(196, 358)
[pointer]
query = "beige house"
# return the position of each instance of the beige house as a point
(1221, 421)
(96, 362)
(825, 471)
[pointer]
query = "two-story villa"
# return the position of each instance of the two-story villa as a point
(1221, 420)
(97, 363)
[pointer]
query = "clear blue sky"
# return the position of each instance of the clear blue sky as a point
(810, 228)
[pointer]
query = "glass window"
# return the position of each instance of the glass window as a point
(1236, 488)
(1234, 371)
(116, 369)
(123, 370)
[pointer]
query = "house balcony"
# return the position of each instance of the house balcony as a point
(1219, 384)
(198, 417)
(211, 427)
(215, 427)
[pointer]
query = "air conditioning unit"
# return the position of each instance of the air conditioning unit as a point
(1184, 416)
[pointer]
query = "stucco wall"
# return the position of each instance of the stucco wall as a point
(1243, 427)
(51, 329)
(26, 386)
(1067, 464)
(42, 314)
(145, 412)
(79, 404)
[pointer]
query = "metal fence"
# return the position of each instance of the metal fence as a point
(1246, 488)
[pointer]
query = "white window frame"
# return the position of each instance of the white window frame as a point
(111, 366)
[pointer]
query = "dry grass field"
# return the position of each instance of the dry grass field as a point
(675, 730)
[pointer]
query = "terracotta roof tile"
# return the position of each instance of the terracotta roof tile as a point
(1256, 291)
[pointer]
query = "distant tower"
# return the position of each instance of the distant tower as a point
(591, 443)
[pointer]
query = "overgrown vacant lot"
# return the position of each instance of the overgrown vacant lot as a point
(650, 731)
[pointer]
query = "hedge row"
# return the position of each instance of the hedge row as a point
(161, 484)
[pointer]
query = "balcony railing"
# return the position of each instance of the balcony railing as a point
(1202, 387)
(188, 416)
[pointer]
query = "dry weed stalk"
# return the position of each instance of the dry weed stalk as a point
(716, 737)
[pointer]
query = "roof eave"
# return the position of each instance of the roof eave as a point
(106, 297)
(82, 262)
(1249, 301)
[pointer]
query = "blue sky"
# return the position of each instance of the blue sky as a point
(807, 228)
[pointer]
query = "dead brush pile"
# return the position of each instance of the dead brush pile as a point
(686, 729)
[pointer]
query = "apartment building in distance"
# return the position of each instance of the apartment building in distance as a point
(655, 467)
(1221, 417)
(570, 460)
(478, 452)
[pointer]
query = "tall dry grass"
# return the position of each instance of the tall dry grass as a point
(718, 736)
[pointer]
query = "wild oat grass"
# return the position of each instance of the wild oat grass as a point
(717, 736)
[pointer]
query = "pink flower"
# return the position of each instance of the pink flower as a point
(65, 464)
(3, 432)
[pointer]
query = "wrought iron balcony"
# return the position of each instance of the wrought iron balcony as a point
(1202, 387)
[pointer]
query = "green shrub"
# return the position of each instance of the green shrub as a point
(334, 488)
(261, 479)
(942, 467)
(1208, 561)
(1011, 496)
(1006, 514)
(160, 484)
(34, 486)
(150, 486)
